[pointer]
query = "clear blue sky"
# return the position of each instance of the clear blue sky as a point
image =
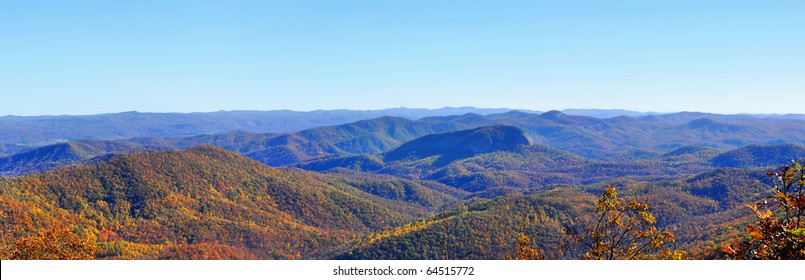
(86, 57)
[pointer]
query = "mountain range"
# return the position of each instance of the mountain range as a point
(627, 138)
(461, 186)
(42, 130)
(18, 133)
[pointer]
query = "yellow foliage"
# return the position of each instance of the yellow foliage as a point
(525, 249)
(612, 238)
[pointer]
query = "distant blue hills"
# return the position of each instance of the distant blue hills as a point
(33, 144)
(20, 133)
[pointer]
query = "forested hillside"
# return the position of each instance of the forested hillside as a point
(209, 202)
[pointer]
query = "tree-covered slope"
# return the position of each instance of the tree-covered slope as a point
(192, 203)
(489, 228)
(760, 156)
(481, 229)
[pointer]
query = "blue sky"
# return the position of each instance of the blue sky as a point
(87, 57)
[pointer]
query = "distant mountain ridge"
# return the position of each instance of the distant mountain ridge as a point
(619, 139)
(607, 113)
(461, 144)
(18, 133)
(63, 154)
(41, 130)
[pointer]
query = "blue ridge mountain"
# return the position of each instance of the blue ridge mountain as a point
(618, 139)
(63, 154)
(760, 156)
(43, 130)
(451, 146)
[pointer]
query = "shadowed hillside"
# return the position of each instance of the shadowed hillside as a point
(461, 144)
(58, 155)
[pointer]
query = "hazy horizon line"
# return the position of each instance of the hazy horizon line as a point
(401, 108)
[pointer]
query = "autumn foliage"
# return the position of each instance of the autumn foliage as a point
(625, 230)
(779, 232)
(208, 203)
(201, 203)
(526, 249)
(22, 241)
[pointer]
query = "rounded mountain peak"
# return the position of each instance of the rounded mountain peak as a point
(461, 144)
